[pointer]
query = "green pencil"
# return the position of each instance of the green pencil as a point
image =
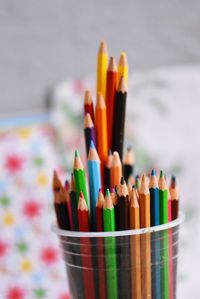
(79, 178)
(110, 247)
(163, 200)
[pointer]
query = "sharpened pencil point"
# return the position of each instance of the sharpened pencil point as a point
(161, 174)
(107, 192)
(153, 172)
(76, 153)
(92, 144)
(122, 181)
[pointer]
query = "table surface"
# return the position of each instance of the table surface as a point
(42, 44)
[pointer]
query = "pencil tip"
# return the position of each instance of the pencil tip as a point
(161, 173)
(109, 152)
(81, 194)
(122, 85)
(122, 181)
(92, 144)
(107, 192)
(153, 172)
(76, 153)
(173, 178)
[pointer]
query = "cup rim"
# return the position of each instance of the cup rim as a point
(161, 227)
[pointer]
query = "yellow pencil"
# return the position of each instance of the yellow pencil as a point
(123, 68)
(102, 62)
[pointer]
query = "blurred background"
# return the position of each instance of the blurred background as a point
(44, 42)
(47, 59)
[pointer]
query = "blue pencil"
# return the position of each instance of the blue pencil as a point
(155, 238)
(94, 181)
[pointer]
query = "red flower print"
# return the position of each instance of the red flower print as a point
(32, 209)
(15, 293)
(64, 296)
(3, 248)
(13, 163)
(49, 255)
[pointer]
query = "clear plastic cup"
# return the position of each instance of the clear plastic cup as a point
(139, 263)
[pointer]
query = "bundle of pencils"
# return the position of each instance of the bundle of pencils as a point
(117, 199)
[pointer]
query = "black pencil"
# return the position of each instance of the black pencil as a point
(107, 182)
(73, 203)
(129, 161)
(119, 118)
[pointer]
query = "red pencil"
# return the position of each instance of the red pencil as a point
(88, 278)
(100, 242)
(111, 87)
(88, 104)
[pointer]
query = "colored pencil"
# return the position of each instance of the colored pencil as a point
(144, 203)
(68, 204)
(89, 132)
(107, 171)
(119, 118)
(115, 201)
(174, 198)
(115, 170)
(73, 202)
(154, 199)
(94, 181)
(123, 252)
(60, 204)
(131, 182)
(129, 161)
(101, 132)
(110, 247)
(173, 237)
(101, 253)
(88, 104)
(123, 67)
(155, 237)
(79, 178)
(83, 220)
(111, 87)
(135, 246)
(102, 62)
(123, 216)
(163, 198)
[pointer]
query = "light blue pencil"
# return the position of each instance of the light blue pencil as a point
(94, 181)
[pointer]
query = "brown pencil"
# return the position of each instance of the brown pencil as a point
(144, 203)
(116, 170)
(123, 252)
(60, 203)
(135, 246)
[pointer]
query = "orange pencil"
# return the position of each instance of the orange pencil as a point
(101, 132)
(116, 170)
(144, 203)
(135, 246)
(111, 87)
